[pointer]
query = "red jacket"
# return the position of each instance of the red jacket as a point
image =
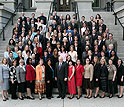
(30, 73)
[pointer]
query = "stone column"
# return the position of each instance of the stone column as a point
(43, 5)
(118, 3)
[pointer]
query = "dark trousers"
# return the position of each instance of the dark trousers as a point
(49, 88)
(61, 87)
(13, 90)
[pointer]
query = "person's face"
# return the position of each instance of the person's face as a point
(119, 62)
(4, 61)
(10, 55)
(71, 48)
(49, 62)
(30, 61)
(102, 54)
(14, 63)
(110, 36)
(113, 53)
(60, 60)
(45, 53)
(41, 62)
(102, 62)
(70, 63)
(95, 59)
(87, 61)
(78, 62)
(110, 62)
(21, 63)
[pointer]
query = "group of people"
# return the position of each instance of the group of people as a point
(42, 55)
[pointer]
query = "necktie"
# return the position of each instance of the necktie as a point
(60, 65)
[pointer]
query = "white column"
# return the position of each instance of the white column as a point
(33, 3)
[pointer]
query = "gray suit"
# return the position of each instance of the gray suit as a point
(4, 75)
(20, 73)
(111, 42)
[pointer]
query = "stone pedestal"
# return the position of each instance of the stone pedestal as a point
(118, 3)
(43, 5)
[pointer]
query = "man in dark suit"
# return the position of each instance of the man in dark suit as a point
(42, 17)
(61, 75)
(33, 17)
(33, 25)
(54, 25)
(55, 17)
(22, 17)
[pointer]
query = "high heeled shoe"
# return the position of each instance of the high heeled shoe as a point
(32, 98)
(120, 96)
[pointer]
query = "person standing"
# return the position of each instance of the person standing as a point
(103, 77)
(96, 75)
(112, 71)
(4, 78)
(120, 77)
(21, 73)
(40, 87)
(30, 78)
(13, 80)
(71, 80)
(49, 75)
(88, 78)
(79, 72)
(61, 75)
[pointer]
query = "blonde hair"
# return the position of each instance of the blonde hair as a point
(3, 60)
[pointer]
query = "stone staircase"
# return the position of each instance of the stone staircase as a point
(108, 17)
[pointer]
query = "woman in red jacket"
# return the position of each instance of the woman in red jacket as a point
(30, 78)
(79, 70)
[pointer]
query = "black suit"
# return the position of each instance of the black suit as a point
(61, 74)
(23, 19)
(48, 77)
(56, 18)
(43, 18)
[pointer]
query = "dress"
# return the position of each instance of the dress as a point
(78, 74)
(120, 73)
(71, 84)
(40, 79)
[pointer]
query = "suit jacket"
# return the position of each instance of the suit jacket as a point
(21, 74)
(43, 18)
(63, 72)
(48, 73)
(56, 18)
(4, 71)
(23, 19)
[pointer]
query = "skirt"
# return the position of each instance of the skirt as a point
(96, 83)
(88, 84)
(5, 84)
(40, 87)
(22, 87)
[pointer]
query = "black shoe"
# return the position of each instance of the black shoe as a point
(102, 96)
(4, 99)
(78, 97)
(89, 97)
(40, 98)
(52, 97)
(15, 98)
(32, 98)
(120, 96)
(58, 96)
(63, 97)
(7, 98)
(96, 96)
(48, 97)
(21, 98)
